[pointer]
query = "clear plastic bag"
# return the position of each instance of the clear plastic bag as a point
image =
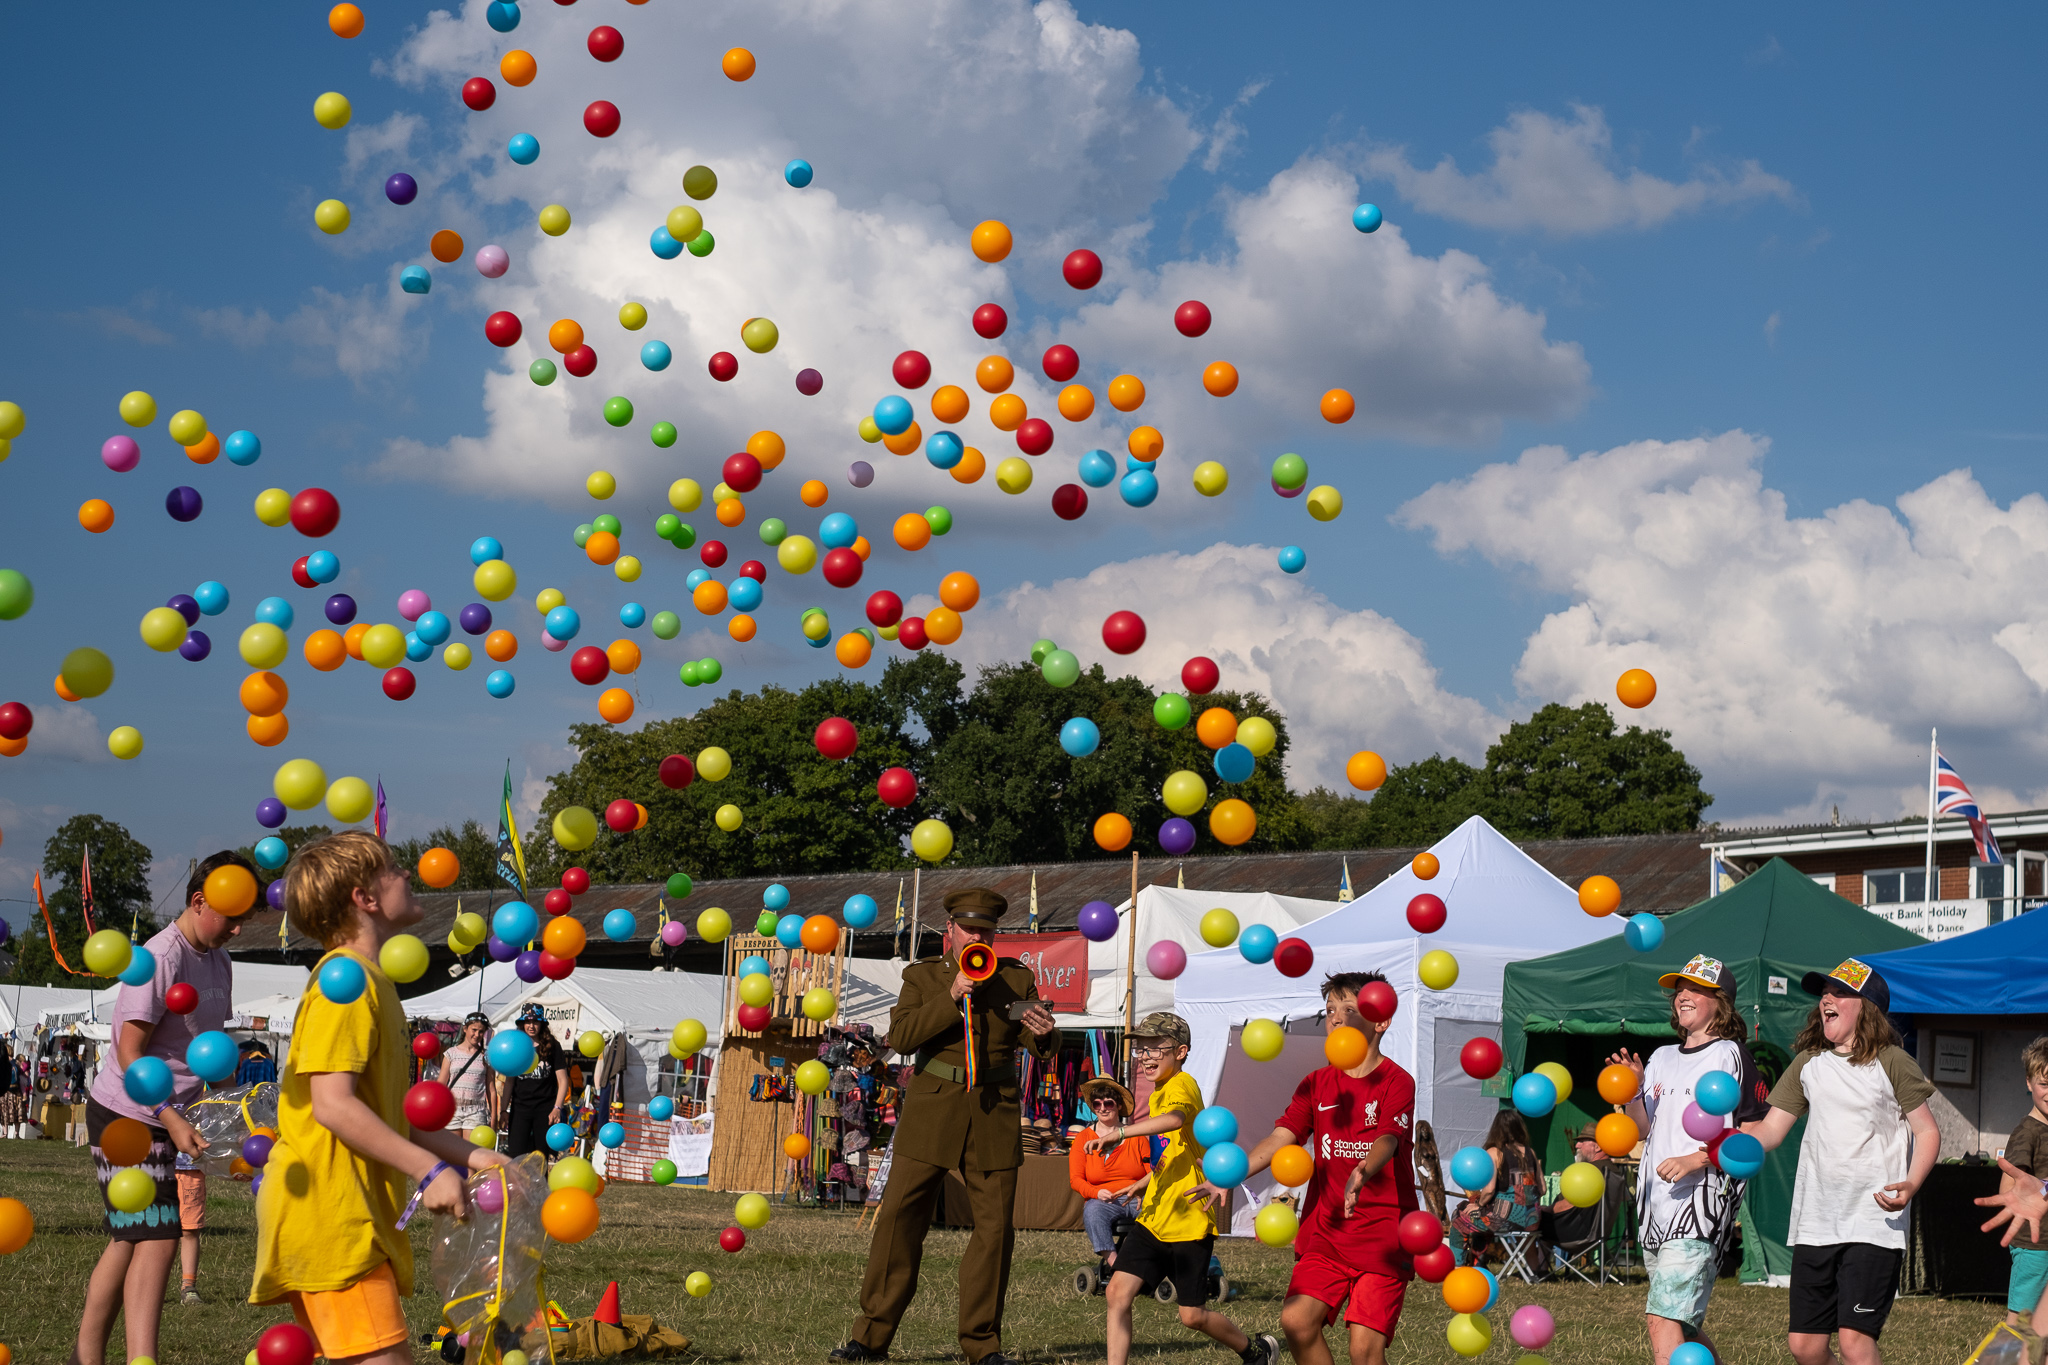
(488, 1265)
(225, 1117)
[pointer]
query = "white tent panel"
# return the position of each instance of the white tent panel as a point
(1171, 914)
(645, 1006)
(464, 996)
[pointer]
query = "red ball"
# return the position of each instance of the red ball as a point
(1293, 957)
(677, 772)
(299, 575)
(990, 321)
(1069, 501)
(557, 902)
(755, 570)
(1426, 913)
(732, 1239)
(399, 684)
(601, 118)
(479, 94)
(1191, 319)
(910, 633)
(1034, 436)
(742, 472)
(1377, 1001)
(724, 366)
(622, 815)
(590, 665)
(1124, 632)
(885, 608)
(836, 737)
(1435, 1266)
(555, 968)
(575, 880)
(181, 998)
(285, 1344)
(1082, 268)
(16, 720)
(1420, 1232)
(842, 567)
(502, 329)
(754, 1018)
(912, 369)
(1061, 363)
(581, 362)
(606, 43)
(429, 1105)
(1481, 1058)
(897, 787)
(315, 512)
(1200, 675)
(426, 1046)
(713, 553)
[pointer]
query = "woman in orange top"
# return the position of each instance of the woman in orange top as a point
(1112, 1180)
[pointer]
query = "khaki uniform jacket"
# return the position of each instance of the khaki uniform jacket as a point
(942, 1121)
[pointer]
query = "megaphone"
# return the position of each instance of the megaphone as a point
(977, 962)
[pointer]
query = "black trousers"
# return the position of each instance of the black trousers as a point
(526, 1128)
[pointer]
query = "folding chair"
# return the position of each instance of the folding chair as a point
(1590, 1253)
(1515, 1249)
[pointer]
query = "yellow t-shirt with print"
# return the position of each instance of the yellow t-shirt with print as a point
(325, 1216)
(1169, 1214)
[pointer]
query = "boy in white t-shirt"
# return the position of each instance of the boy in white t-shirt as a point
(1870, 1142)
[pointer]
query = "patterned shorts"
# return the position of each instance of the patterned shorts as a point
(1681, 1279)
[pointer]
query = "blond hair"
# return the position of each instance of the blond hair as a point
(2034, 1059)
(323, 876)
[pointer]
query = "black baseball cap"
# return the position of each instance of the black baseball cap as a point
(1854, 977)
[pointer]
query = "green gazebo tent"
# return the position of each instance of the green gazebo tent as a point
(1580, 1006)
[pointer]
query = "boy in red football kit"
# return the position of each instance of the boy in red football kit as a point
(1357, 1126)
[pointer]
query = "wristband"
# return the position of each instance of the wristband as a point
(418, 1194)
(158, 1111)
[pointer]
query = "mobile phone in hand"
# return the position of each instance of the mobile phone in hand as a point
(1018, 1007)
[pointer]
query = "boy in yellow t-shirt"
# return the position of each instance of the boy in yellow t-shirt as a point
(340, 1178)
(1174, 1234)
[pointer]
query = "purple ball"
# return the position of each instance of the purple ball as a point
(341, 609)
(1290, 492)
(1097, 921)
(528, 966)
(5, 932)
(808, 382)
(401, 188)
(860, 474)
(1699, 1125)
(476, 618)
(270, 812)
(185, 607)
(197, 646)
(120, 453)
(413, 604)
(184, 504)
(489, 1197)
(673, 933)
(500, 950)
(1176, 837)
(256, 1149)
(274, 894)
(255, 1184)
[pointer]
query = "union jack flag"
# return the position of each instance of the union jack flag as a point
(1952, 797)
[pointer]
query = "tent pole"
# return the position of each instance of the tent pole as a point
(1131, 971)
(1927, 886)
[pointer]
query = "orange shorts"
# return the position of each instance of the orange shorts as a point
(355, 1321)
(191, 1200)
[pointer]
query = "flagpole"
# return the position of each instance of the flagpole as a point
(1927, 887)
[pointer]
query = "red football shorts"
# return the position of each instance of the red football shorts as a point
(1366, 1298)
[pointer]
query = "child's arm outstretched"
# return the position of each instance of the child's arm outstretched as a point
(338, 1109)
(1168, 1122)
(1926, 1147)
(1383, 1148)
(1772, 1128)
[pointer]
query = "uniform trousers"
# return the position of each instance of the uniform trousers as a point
(908, 1205)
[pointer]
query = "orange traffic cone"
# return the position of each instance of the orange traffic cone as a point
(608, 1306)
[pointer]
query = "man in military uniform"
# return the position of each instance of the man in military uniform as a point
(948, 1124)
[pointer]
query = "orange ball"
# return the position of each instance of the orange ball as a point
(563, 935)
(1233, 821)
(1220, 379)
(731, 512)
(906, 441)
(1146, 444)
(959, 591)
(499, 644)
(1338, 406)
(942, 625)
(853, 650)
(1344, 1047)
(639, 816)
(566, 335)
(324, 651)
(1216, 727)
(738, 64)
(1008, 412)
(973, 464)
(1077, 402)
(995, 374)
(616, 706)
(352, 639)
(205, 451)
(1112, 832)
(1599, 896)
(623, 655)
(439, 867)
(1467, 1289)
(13, 748)
(796, 1146)
(767, 447)
(1636, 689)
(1618, 1085)
(1126, 392)
(125, 1142)
(709, 597)
(602, 547)
(570, 1214)
(1365, 770)
(990, 240)
(95, 515)
(820, 934)
(269, 731)
(446, 245)
(741, 627)
(1426, 866)
(1617, 1134)
(1292, 1166)
(949, 403)
(345, 20)
(264, 694)
(518, 67)
(63, 690)
(861, 547)
(814, 493)
(912, 531)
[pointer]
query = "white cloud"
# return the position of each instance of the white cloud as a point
(1561, 176)
(1228, 133)
(371, 332)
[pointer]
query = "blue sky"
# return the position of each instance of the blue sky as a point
(1795, 253)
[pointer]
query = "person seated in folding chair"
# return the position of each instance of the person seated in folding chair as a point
(1511, 1202)
(1574, 1233)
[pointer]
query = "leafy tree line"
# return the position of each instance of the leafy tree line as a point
(120, 898)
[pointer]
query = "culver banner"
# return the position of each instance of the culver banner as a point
(1059, 961)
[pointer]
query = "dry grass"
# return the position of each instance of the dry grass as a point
(792, 1293)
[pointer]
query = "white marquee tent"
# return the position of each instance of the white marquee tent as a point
(467, 994)
(260, 989)
(644, 1006)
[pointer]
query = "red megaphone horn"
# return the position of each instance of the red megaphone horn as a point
(977, 962)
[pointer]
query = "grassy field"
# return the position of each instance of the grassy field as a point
(790, 1295)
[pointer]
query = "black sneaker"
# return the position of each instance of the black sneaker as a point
(853, 1351)
(1263, 1349)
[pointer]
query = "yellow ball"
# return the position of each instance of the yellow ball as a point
(547, 599)
(138, 409)
(186, 427)
(1211, 478)
(554, 220)
(456, 656)
(756, 989)
(1581, 1184)
(331, 110)
(697, 1282)
(632, 316)
(820, 1004)
(1276, 1225)
(590, 1042)
(274, 507)
(1184, 792)
(494, 580)
(300, 784)
(1262, 1040)
(403, 957)
(1013, 475)
(1257, 734)
(796, 554)
(107, 953)
(931, 840)
(1219, 928)
(1469, 1334)
(1324, 503)
(350, 799)
(600, 485)
(684, 223)
(12, 420)
(751, 1212)
(817, 625)
(131, 1190)
(869, 432)
(729, 818)
(383, 646)
(575, 828)
(265, 646)
(1438, 970)
(714, 765)
(813, 1076)
(760, 336)
(1559, 1077)
(124, 741)
(163, 629)
(573, 1173)
(483, 1135)
(722, 494)
(473, 927)
(626, 569)
(685, 495)
(330, 216)
(689, 1036)
(714, 925)
(6, 446)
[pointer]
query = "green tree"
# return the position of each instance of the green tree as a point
(120, 886)
(1565, 774)
(1421, 802)
(474, 847)
(1334, 821)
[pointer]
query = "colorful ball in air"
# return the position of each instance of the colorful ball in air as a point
(737, 63)
(1166, 959)
(1365, 770)
(1599, 896)
(1692, 1353)
(332, 111)
(797, 173)
(1080, 737)
(1293, 957)
(1082, 269)
(1643, 932)
(1636, 689)
(331, 216)
(401, 188)
(1470, 1334)
(1262, 1040)
(1534, 1095)
(1471, 1169)
(1366, 217)
(601, 118)
(1437, 970)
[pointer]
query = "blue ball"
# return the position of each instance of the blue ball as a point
(148, 1081)
(612, 1134)
(242, 447)
(859, 911)
(515, 922)
(663, 245)
(499, 684)
(1692, 1353)
(632, 616)
(1644, 932)
(1535, 1095)
(1717, 1092)
(776, 897)
(510, 1053)
(502, 15)
(1225, 1165)
(271, 853)
(484, 549)
(561, 1137)
(322, 566)
(212, 598)
(1741, 1155)
(1471, 1168)
(838, 531)
(141, 967)
(416, 649)
(1493, 1289)
(1080, 737)
(212, 1056)
(1367, 218)
(343, 980)
(340, 609)
(661, 1109)
(1097, 468)
(1258, 942)
(1139, 488)
(744, 594)
(754, 965)
(414, 279)
(1234, 762)
(1293, 559)
(524, 148)
(789, 931)
(619, 925)
(797, 173)
(944, 449)
(563, 623)
(694, 577)
(1215, 1124)
(893, 415)
(433, 626)
(196, 647)
(655, 355)
(276, 611)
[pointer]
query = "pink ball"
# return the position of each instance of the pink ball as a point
(120, 453)
(490, 1198)
(673, 933)
(412, 604)
(1532, 1327)
(551, 644)
(492, 261)
(1166, 959)
(1700, 1125)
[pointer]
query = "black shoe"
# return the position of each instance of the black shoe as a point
(995, 1358)
(854, 1350)
(1263, 1349)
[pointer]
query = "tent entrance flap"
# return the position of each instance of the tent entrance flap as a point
(1463, 1112)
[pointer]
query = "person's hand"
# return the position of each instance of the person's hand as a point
(1352, 1188)
(1098, 1143)
(485, 1158)
(2022, 1205)
(1892, 1203)
(1039, 1020)
(1208, 1195)
(1104, 1195)
(445, 1194)
(1629, 1060)
(962, 984)
(1673, 1169)
(184, 1136)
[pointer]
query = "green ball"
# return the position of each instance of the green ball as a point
(618, 411)
(685, 536)
(583, 534)
(688, 673)
(662, 434)
(667, 625)
(87, 672)
(1172, 710)
(774, 531)
(606, 523)
(1040, 650)
(662, 1172)
(940, 518)
(541, 372)
(1290, 471)
(17, 595)
(765, 925)
(700, 182)
(709, 670)
(701, 244)
(678, 885)
(667, 524)
(1061, 668)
